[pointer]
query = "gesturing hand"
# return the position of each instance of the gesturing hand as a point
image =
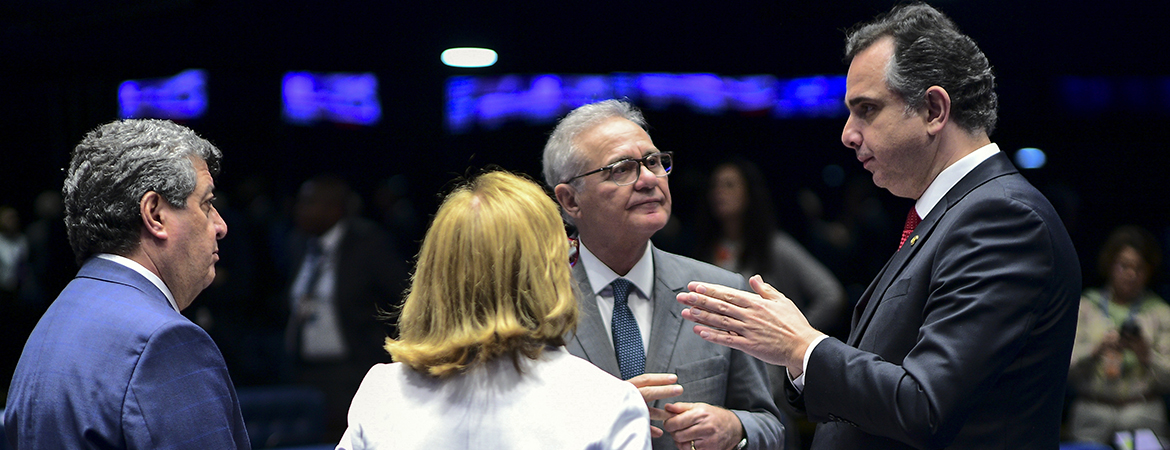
(764, 324)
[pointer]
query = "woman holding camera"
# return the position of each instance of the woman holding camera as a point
(1121, 358)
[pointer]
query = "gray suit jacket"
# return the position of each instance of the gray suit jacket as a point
(709, 373)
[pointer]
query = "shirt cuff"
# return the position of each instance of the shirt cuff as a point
(798, 383)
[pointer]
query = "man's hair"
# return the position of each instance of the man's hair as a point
(114, 166)
(930, 51)
(492, 280)
(562, 157)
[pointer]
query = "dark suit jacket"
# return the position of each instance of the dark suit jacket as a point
(369, 281)
(112, 365)
(963, 341)
(708, 373)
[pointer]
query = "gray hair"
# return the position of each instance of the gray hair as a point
(114, 166)
(930, 51)
(562, 158)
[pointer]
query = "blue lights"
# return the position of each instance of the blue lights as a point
(491, 101)
(1093, 96)
(181, 97)
(332, 97)
(1030, 158)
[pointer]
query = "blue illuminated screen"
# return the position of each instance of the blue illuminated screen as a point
(487, 102)
(183, 96)
(349, 98)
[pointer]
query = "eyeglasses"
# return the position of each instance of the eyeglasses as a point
(626, 171)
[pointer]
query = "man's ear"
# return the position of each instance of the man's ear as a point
(567, 197)
(151, 208)
(938, 109)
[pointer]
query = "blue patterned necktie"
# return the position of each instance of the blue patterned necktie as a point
(627, 340)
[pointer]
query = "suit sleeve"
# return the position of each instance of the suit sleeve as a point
(988, 285)
(180, 395)
(750, 399)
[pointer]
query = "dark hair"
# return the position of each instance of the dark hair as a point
(758, 221)
(114, 166)
(930, 51)
(1133, 237)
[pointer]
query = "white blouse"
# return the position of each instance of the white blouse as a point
(559, 401)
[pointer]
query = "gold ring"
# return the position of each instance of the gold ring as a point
(693, 445)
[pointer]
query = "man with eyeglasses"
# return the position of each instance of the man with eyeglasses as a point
(611, 183)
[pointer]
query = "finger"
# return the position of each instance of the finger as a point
(679, 426)
(659, 414)
(724, 338)
(655, 432)
(714, 320)
(722, 293)
(678, 407)
(654, 379)
(652, 393)
(765, 290)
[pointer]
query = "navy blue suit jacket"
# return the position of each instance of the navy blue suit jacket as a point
(112, 365)
(963, 341)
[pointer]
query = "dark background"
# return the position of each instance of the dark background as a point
(63, 61)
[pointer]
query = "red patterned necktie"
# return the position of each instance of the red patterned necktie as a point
(912, 221)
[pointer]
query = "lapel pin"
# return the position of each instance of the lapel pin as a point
(914, 240)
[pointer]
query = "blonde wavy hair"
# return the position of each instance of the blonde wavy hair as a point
(492, 279)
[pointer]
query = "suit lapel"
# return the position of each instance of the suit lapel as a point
(996, 166)
(667, 322)
(876, 291)
(591, 333)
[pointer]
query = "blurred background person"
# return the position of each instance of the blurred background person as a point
(481, 358)
(50, 257)
(14, 279)
(1121, 359)
(737, 231)
(13, 254)
(347, 275)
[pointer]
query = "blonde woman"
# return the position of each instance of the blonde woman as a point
(480, 361)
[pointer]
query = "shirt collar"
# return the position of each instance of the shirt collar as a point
(332, 238)
(154, 279)
(950, 176)
(600, 275)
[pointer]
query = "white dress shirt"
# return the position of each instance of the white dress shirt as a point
(926, 202)
(641, 276)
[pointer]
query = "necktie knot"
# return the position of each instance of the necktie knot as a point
(621, 290)
(912, 221)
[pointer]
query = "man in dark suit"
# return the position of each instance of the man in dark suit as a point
(963, 340)
(112, 363)
(611, 183)
(347, 277)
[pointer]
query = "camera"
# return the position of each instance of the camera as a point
(1130, 329)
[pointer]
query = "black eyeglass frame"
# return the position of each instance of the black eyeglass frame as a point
(641, 163)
